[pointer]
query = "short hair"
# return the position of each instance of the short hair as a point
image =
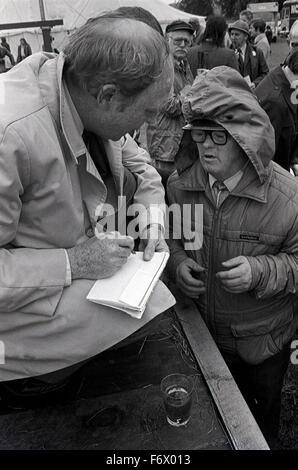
(102, 52)
(292, 61)
(141, 14)
(260, 25)
(216, 28)
(246, 13)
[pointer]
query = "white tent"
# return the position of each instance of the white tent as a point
(74, 13)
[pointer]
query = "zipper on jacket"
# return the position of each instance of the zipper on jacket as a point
(211, 271)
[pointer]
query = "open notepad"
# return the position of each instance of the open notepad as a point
(130, 288)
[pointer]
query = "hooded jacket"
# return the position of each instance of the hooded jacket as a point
(258, 219)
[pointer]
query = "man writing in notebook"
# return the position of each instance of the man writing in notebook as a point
(63, 157)
(244, 277)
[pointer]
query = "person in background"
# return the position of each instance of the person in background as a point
(257, 33)
(247, 16)
(24, 50)
(252, 64)
(5, 53)
(4, 43)
(164, 133)
(269, 34)
(212, 52)
(276, 94)
(243, 275)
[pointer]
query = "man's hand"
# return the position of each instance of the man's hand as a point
(186, 280)
(99, 257)
(238, 277)
(152, 240)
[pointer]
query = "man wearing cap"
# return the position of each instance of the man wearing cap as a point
(252, 63)
(244, 276)
(165, 132)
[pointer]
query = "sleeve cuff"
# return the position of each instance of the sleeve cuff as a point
(68, 271)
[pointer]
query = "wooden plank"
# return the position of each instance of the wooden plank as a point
(239, 422)
(31, 24)
(118, 404)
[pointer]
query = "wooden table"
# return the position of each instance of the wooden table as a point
(119, 404)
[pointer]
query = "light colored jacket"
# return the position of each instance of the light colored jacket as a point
(261, 43)
(50, 193)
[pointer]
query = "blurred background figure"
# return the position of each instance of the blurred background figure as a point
(260, 41)
(247, 16)
(4, 43)
(24, 50)
(269, 34)
(252, 64)
(293, 36)
(275, 95)
(164, 132)
(212, 52)
(6, 59)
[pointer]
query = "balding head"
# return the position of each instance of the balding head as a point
(123, 51)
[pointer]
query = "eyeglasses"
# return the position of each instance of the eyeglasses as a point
(179, 41)
(219, 137)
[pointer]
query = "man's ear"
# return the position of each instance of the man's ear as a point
(106, 93)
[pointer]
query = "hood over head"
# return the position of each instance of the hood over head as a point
(223, 96)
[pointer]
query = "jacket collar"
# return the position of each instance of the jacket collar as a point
(281, 82)
(195, 178)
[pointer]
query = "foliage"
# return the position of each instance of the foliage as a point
(228, 8)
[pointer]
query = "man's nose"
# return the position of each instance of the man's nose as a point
(208, 142)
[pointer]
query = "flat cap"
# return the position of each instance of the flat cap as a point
(240, 26)
(180, 25)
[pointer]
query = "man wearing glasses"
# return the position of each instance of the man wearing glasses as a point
(244, 276)
(165, 132)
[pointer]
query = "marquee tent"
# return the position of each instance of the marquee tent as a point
(74, 13)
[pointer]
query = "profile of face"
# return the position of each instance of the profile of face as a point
(238, 38)
(117, 114)
(220, 154)
(253, 32)
(179, 43)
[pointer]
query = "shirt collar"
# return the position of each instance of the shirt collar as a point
(230, 182)
(71, 123)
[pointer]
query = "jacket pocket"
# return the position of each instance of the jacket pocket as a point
(256, 341)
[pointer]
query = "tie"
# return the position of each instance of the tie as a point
(240, 61)
(218, 188)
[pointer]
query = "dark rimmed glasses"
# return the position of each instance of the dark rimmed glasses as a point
(219, 137)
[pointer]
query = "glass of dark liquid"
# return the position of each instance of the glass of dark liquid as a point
(177, 392)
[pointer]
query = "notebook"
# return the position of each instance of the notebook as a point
(130, 288)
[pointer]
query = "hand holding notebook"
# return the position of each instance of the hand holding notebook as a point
(130, 288)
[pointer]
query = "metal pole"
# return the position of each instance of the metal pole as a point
(46, 31)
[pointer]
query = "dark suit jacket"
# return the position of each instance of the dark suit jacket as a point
(274, 94)
(208, 56)
(255, 64)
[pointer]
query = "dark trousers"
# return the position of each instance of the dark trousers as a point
(261, 387)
